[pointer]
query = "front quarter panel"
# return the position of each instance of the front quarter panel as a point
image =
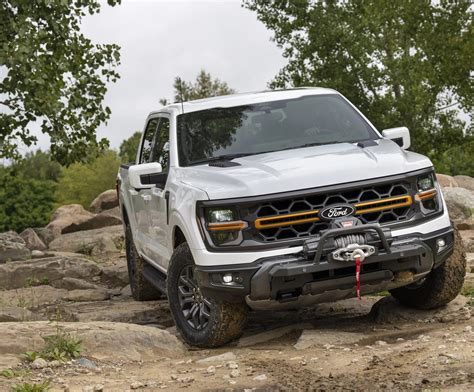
(183, 198)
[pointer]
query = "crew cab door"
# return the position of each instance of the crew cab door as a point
(156, 205)
(141, 197)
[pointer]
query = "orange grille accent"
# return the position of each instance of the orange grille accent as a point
(282, 220)
(312, 216)
(227, 226)
(431, 194)
(383, 204)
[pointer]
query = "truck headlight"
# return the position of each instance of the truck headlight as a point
(219, 215)
(427, 193)
(223, 227)
(425, 183)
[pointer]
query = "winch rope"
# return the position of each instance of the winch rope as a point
(357, 261)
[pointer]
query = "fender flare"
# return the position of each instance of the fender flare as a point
(178, 221)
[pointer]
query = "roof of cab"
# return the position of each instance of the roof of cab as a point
(244, 99)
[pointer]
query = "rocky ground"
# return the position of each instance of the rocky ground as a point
(74, 273)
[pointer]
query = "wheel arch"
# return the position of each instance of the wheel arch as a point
(178, 236)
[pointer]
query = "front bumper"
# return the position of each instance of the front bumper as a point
(313, 273)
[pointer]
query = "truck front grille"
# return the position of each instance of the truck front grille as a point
(297, 217)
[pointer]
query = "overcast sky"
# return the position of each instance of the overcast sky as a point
(163, 39)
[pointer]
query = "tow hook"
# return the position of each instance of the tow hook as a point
(357, 253)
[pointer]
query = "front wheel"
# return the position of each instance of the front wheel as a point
(202, 321)
(441, 286)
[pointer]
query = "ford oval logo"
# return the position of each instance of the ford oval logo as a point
(337, 211)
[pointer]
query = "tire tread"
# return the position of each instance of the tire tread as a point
(441, 286)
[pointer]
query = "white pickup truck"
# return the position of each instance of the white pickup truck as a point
(280, 199)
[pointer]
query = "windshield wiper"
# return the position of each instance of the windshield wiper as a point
(224, 157)
(303, 146)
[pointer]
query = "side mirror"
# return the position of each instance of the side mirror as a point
(142, 176)
(400, 135)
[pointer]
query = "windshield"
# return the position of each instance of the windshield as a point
(225, 133)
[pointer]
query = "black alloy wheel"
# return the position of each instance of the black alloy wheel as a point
(195, 307)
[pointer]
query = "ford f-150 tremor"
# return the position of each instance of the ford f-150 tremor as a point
(280, 199)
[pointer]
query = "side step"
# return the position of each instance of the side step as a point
(155, 277)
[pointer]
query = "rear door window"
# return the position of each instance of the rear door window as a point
(161, 143)
(147, 144)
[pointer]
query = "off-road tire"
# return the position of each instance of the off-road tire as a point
(227, 320)
(142, 290)
(441, 286)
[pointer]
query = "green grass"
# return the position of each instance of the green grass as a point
(11, 373)
(469, 293)
(60, 347)
(27, 387)
(34, 281)
(30, 356)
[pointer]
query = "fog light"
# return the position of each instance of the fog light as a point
(441, 242)
(227, 278)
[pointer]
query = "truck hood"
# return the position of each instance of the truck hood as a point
(303, 168)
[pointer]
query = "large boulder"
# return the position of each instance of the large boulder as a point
(65, 216)
(460, 204)
(467, 224)
(389, 311)
(446, 181)
(465, 182)
(15, 313)
(44, 234)
(32, 240)
(50, 269)
(115, 275)
(90, 242)
(73, 217)
(105, 201)
(114, 212)
(88, 295)
(13, 247)
(32, 298)
(123, 311)
(103, 219)
(101, 340)
(468, 240)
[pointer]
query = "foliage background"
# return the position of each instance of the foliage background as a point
(55, 77)
(402, 63)
(33, 186)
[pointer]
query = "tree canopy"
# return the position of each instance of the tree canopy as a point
(37, 165)
(55, 77)
(401, 62)
(129, 147)
(205, 86)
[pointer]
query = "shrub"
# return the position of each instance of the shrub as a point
(24, 202)
(82, 182)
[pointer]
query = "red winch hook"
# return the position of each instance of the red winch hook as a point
(359, 257)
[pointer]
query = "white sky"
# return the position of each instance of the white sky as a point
(163, 39)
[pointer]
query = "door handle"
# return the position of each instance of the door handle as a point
(147, 198)
(133, 192)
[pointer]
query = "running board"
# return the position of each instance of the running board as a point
(155, 277)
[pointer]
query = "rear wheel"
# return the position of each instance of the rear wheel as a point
(441, 286)
(202, 322)
(142, 290)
